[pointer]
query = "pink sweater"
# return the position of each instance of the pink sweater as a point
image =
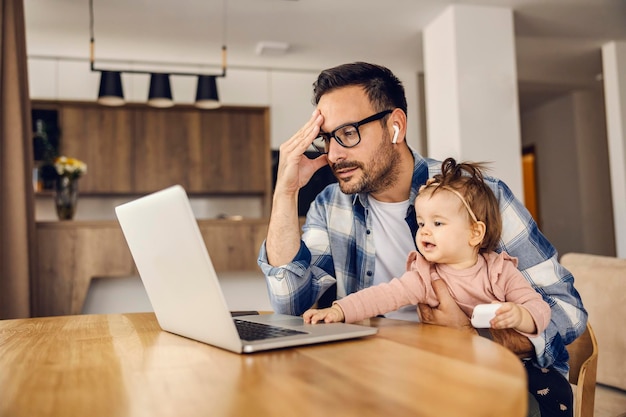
(495, 277)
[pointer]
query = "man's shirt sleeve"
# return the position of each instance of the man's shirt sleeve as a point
(538, 262)
(295, 287)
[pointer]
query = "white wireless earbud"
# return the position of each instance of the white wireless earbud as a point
(395, 135)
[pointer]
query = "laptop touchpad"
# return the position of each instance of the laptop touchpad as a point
(285, 320)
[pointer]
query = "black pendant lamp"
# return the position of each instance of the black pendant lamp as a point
(206, 93)
(111, 93)
(160, 94)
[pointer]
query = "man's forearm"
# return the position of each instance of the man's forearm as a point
(512, 340)
(283, 233)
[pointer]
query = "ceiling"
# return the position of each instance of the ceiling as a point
(558, 42)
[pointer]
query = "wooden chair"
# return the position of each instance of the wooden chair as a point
(583, 362)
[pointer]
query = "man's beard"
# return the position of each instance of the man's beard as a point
(380, 173)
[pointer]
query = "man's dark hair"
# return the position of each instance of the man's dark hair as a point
(383, 88)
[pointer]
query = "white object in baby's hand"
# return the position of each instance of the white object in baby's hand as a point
(483, 313)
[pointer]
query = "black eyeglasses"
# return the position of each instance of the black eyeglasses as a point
(347, 135)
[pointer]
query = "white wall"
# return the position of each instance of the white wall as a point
(550, 129)
(597, 213)
(101, 208)
(614, 69)
(573, 185)
(244, 290)
(471, 90)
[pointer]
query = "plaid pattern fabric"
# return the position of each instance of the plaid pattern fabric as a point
(337, 247)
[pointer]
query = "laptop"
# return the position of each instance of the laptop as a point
(178, 275)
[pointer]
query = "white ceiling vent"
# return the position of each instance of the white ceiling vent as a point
(271, 48)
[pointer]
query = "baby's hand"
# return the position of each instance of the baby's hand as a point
(509, 316)
(332, 314)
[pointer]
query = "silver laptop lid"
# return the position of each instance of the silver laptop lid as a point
(171, 257)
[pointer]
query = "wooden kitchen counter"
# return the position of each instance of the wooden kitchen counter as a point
(71, 253)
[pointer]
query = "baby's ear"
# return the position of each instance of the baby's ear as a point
(477, 233)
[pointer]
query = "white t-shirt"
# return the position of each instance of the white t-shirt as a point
(393, 240)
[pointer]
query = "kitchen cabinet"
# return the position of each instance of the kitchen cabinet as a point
(167, 149)
(137, 149)
(103, 140)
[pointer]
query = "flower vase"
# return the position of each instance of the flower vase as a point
(66, 196)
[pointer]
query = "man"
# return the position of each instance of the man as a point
(358, 232)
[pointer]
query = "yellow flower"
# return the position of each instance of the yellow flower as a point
(69, 167)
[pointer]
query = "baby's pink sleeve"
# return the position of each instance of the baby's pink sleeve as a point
(517, 289)
(413, 287)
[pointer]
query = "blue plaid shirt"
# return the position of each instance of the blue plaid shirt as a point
(337, 247)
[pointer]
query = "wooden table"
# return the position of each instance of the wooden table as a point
(124, 365)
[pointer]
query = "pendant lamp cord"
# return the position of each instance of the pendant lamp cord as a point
(224, 41)
(224, 35)
(91, 34)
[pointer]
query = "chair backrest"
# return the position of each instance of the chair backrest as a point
(583, 362)
(601, 282)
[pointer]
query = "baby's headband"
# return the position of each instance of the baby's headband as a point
(431, 183)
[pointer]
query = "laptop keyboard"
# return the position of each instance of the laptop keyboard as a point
(251, 331)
